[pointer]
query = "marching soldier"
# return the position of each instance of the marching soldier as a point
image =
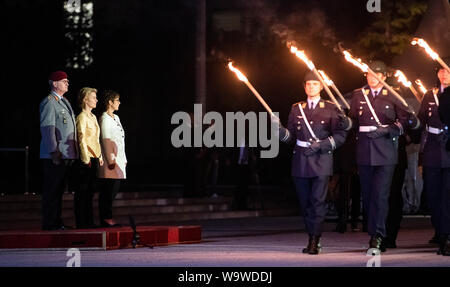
(380, 118)
(436, 158)
(317, 128)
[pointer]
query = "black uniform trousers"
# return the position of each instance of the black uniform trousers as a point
(108, 189)
(349, 188)
(55, 181)
(311, 193)
(395, 213)
(84, 216)
(437, 187)
(375, 187)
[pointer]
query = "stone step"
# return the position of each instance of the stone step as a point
(119, 202)
(68, 212)
(142, 219)
(9, 198)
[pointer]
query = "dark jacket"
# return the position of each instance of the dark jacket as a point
(434, 152)
(325, 122)
(389, 110)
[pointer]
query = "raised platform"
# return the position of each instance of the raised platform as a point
(100, 238)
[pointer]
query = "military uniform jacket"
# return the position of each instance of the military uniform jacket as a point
(434, 152)
(325, 122)
(58, 128)
(390, 111)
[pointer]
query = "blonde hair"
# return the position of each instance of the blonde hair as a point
(83, 93)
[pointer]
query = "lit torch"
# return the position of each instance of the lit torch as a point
(422, 43)
(301, 55)
(331, 84)
(401, 78)
(244, 79)
(421, 86)
(365, 68)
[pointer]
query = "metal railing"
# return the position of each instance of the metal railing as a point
(27, 173)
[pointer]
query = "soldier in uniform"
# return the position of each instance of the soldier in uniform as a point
(380, 118)
(436, 158)
(58, 149)
(316, 127)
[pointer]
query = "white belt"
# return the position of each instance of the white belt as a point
(435, 131)
(303, 144)
(367, 129)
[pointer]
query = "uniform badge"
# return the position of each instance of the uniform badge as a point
(360, 113)
(300, 117)
(429, 114)
(321, 105)
(65, 121)
(385, 93)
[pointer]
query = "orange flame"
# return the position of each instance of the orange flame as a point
(423, 44)
(357, 62)
(325, 78)
(238, 73)
(421, 86)
(302, 56)
(401, 78)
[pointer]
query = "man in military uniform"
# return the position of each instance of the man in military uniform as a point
(436, 158)
(58, 149)
(380, 118)
(316, 127)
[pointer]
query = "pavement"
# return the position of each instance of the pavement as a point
(252, 242)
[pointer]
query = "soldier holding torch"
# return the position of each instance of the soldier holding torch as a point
(317, 127)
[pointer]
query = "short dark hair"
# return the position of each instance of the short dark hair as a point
(109, 95)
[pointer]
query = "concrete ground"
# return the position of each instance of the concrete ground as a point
(255, 242)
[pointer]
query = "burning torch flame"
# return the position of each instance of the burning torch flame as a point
(421, 86)
(423, 44)
(356, 62)
(325, 78)
(250, 86)
(401, 78)
(238, 73)
(302, 56)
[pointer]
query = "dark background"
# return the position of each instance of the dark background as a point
(145, 50)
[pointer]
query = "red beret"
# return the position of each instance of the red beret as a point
(57, 76)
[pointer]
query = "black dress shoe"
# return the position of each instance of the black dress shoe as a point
(308, 247)
(376, 245)
(314, 246)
